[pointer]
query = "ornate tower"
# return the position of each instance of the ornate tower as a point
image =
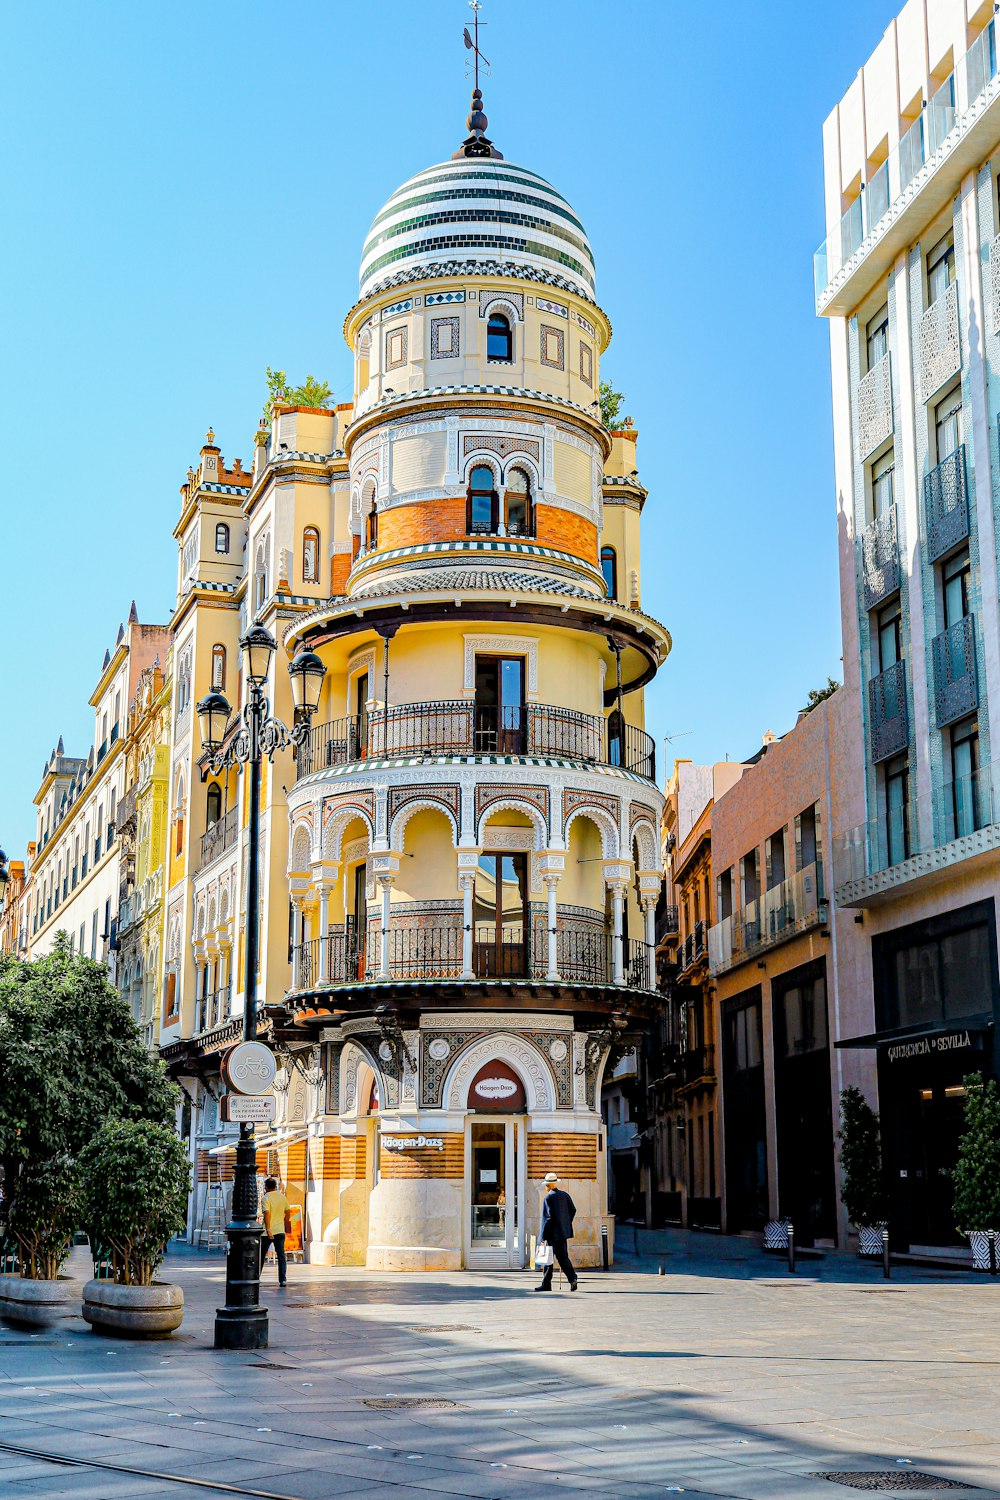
(473, 827)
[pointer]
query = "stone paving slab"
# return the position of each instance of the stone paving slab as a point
(723, 1378)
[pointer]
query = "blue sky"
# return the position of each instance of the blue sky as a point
(187, 188)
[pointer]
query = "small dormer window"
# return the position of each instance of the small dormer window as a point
(499, 339)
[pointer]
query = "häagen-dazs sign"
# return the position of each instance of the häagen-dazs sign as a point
(926, 1046)
(413, 1142)
(495, 1088)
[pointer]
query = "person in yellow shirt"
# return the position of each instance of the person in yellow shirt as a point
(277, 1219)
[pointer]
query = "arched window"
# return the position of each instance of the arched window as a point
(482, 503)
(218, 668)
(310, 555)
(222, 538)
(520, 518)
(213, 805)
(499, 339)
(609, 567)
(371, 528)
(260, 579)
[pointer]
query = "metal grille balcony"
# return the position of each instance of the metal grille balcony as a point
(584, 955)
(221, 836)
(955, 690)
(874, 407)
(889, 723)
(460, 727)
(946, 505)
(880, 559)
(127, 807)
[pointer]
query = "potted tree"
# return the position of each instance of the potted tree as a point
(862, 1188)
(977, 1173)
(36, 1233)
(135, 1177)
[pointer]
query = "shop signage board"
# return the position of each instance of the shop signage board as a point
(929, 1046)
(496, 1086)
(413, 1142)
(249, 1068)
(248, 1109)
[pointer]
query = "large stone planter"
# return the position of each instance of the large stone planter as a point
(979, 1240)
(134, 1312)
(31, 1303)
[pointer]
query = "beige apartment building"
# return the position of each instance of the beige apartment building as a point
(909, 281)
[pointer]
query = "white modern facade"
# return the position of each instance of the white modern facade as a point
(909, 281)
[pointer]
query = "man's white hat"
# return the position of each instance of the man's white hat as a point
(551, 1177)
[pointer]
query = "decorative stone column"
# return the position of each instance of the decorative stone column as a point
(649, 894)
(616, 876)
(551, 865)
(468, 861)
(324, 880)
(298, 889)
(384, 867)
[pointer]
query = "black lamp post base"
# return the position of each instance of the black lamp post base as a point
(241, 1328)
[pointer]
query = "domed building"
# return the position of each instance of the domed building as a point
(472, 827)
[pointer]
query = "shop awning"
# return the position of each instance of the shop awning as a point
(947, 1037)
(264, 1141)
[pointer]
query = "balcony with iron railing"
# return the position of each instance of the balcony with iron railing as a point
(880, 559)
(697, 1066)
(213, 1008)
(667, 923)
(789, 908)
(128, 807)
(888, 717)
(584, 955)
(460, 727)
(888, 212)
(946, 505)
(955, 689)
(220, 837)
(958, 820)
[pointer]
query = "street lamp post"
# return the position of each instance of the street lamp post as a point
(242, 1323)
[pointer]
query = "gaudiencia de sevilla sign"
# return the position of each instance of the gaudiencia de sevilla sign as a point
(927, 1046)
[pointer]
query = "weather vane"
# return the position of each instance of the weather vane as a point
(472, 42)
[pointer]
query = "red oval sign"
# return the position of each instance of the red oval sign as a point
(497, 1086)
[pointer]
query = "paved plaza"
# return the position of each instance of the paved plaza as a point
(724, 1377)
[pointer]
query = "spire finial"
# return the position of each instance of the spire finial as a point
(476, 143)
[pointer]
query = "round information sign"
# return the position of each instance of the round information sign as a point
(249, 1068)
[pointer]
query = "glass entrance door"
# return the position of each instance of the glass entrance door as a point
(496, 1232)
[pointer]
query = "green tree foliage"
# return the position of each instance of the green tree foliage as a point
(71, 1058)
(135, 1179)
(40, 1221)
(311, 392)
(862, 1189)
(977, 1174)
(611, 404)
(820, 695)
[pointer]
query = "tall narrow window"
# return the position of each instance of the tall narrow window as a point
(965, 778)
(499, 705)
(877, 337)
(213, 805)
(888, 636)
(371, 528)
(218, 668)
(499, 339)
(948, 425)
(883, 470)
(897, 810)
(955, 581)
(481, 516)
(222, 539)
(310, 555)
(519, 510)
(940, 269)
(609, 567)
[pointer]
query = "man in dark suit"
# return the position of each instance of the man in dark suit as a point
(558, 1213)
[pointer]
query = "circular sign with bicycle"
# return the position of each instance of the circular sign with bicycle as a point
(249, 1068)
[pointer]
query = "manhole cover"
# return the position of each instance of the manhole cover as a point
(442, 1328)
(891, 1479)
(406, 1403)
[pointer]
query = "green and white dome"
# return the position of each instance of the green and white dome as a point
(477, 211)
